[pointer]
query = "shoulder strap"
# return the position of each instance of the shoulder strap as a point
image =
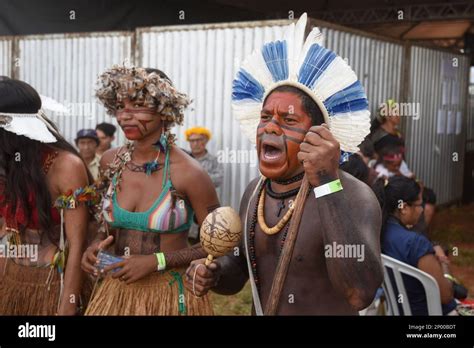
(256, 299)
(166, 175)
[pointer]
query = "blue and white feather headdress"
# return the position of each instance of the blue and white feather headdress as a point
(309, 66)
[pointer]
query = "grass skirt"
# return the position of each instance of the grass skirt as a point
(23, 290)
(160, 293)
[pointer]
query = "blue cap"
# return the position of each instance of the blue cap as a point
(87, 133)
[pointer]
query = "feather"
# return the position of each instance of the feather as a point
(50, 104)
(275, 55)
(30, 126)
(316, 62)
(314, 37)
(350, 129)
(246, 87)
(295, 40)
(351, 98)
(248, 115)
(338, 75)
(255, 65)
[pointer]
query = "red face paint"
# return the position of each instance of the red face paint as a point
(135, 120)
(282, 128)
(144, 123)
(132, 132)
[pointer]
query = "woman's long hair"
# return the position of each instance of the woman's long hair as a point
(20, 158)
(390, 192)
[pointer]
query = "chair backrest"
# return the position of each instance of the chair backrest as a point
(433, 298)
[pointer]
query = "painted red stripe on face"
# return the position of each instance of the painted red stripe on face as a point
(144, 123)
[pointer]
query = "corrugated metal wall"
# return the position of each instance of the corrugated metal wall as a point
(5, 55)
(378, 64)
(431, 147)
(65, 67)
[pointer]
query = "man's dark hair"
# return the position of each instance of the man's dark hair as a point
(390, 192)
(367, 148)
(309, 105)
(107, 128)
(356, 167)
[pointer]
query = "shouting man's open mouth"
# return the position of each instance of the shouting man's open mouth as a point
(273, 151)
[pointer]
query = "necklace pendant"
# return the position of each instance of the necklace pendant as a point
(150, 167)
(281, 206)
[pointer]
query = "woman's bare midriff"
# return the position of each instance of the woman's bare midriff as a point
(132, 242)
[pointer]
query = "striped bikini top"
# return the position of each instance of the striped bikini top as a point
(168, 214)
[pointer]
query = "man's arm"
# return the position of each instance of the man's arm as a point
(233, 272)
(70, 173)
(228, 274)
(351, 218)
(233, 266)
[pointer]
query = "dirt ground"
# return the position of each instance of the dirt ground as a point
(454, 228)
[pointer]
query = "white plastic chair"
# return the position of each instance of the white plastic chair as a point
(433, 297)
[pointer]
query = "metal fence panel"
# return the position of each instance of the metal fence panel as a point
(65, 68)
(377, 63)
(435, 149)
(6, 55)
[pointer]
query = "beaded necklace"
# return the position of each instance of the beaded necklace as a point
(253, 225)
(251, 241)
(296, 178)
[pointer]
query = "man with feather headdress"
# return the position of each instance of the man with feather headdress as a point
(307, 112)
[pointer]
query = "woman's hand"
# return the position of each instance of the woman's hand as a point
(133, 268)
(89, 258)
(201, 278)
(440, 255)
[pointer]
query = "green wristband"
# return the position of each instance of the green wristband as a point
(327, 189)
(160, 258)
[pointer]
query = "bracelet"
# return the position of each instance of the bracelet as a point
(327, 189)
(160, 257)
(450, 277)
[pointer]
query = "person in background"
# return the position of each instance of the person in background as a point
(401, 201)
(44, 201)
(390, 158)
(105, 133)
(198, 138)
(367, 154)
(356, 167)
(385, 131)
(385, 124)
(87, 142)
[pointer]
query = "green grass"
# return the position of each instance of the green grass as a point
(238, 304)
